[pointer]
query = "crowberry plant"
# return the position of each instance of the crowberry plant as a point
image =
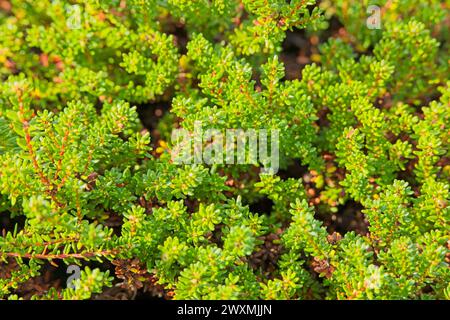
(92, 90)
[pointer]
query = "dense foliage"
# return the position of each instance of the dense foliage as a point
(367, 124)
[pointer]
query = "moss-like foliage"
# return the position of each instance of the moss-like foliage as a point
(367, 123)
